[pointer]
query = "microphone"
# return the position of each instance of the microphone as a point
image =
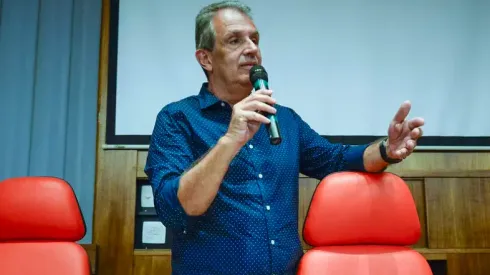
(260, 80)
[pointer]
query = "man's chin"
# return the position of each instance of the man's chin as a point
(244, 81)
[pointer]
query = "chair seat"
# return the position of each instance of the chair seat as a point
(363, 260)
(43, 258)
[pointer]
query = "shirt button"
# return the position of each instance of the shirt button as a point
(251, 146)
(260, 176)
(222, 104)
(273, 242)
(267, 207)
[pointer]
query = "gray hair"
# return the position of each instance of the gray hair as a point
(205, 32)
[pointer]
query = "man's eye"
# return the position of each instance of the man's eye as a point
(234, 41)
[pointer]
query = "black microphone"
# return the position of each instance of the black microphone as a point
(260, 80)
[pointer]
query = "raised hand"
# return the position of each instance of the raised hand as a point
(403, 134)
(245, 118)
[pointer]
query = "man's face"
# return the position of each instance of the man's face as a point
(236, 47)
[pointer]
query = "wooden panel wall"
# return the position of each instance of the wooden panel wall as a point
(451, 191)
(453, 212)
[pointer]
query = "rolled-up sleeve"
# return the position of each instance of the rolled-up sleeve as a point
(169, 155)
(319, 157)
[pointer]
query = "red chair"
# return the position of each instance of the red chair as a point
(40, 221)
(362, 224)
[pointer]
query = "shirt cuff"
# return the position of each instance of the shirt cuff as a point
(175, 213)
(170, 189)
(354, 158)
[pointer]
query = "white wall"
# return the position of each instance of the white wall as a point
(344, 66)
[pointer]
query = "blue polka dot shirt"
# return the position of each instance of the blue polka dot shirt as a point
(252, 225)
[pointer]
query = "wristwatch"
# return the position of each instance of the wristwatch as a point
(384, 155)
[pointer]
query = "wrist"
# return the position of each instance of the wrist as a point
(387, 149)
(230, 143)
(386, 153)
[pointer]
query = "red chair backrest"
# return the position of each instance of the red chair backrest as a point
(351, 208)
(40, 221)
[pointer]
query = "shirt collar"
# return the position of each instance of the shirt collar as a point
(206, 98)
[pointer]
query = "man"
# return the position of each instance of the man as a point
(228, 196)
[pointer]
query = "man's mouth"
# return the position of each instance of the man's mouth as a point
(248, 65)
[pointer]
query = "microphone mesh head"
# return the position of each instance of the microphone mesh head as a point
(258, 72)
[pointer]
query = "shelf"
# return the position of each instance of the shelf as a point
(429, 254)
(152, 252)
(149, 212)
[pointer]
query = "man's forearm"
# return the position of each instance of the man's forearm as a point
(200, 184)
(373, 162)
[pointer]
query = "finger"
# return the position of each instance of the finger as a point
(258, 106)
(401, 153)
(395, 129)
(402, 112)
(398, 126)
(416, 133)
(410, 148)
(411, 145)
(264, 92)
(254, 116)
(416, 122)
(262, 98)
(408, 153)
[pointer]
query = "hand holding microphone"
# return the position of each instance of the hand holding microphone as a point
(245, 120)
(257, 108)
(260, 81)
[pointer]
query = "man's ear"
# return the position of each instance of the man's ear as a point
(204, 59)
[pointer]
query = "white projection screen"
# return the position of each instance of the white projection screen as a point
(344, 66)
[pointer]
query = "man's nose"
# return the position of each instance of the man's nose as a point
(252, 47)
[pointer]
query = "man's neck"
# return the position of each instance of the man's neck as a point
(232, 94)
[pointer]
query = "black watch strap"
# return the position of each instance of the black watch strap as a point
(384, 156)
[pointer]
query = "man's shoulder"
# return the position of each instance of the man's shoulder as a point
(285, 110)
(182, 106)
